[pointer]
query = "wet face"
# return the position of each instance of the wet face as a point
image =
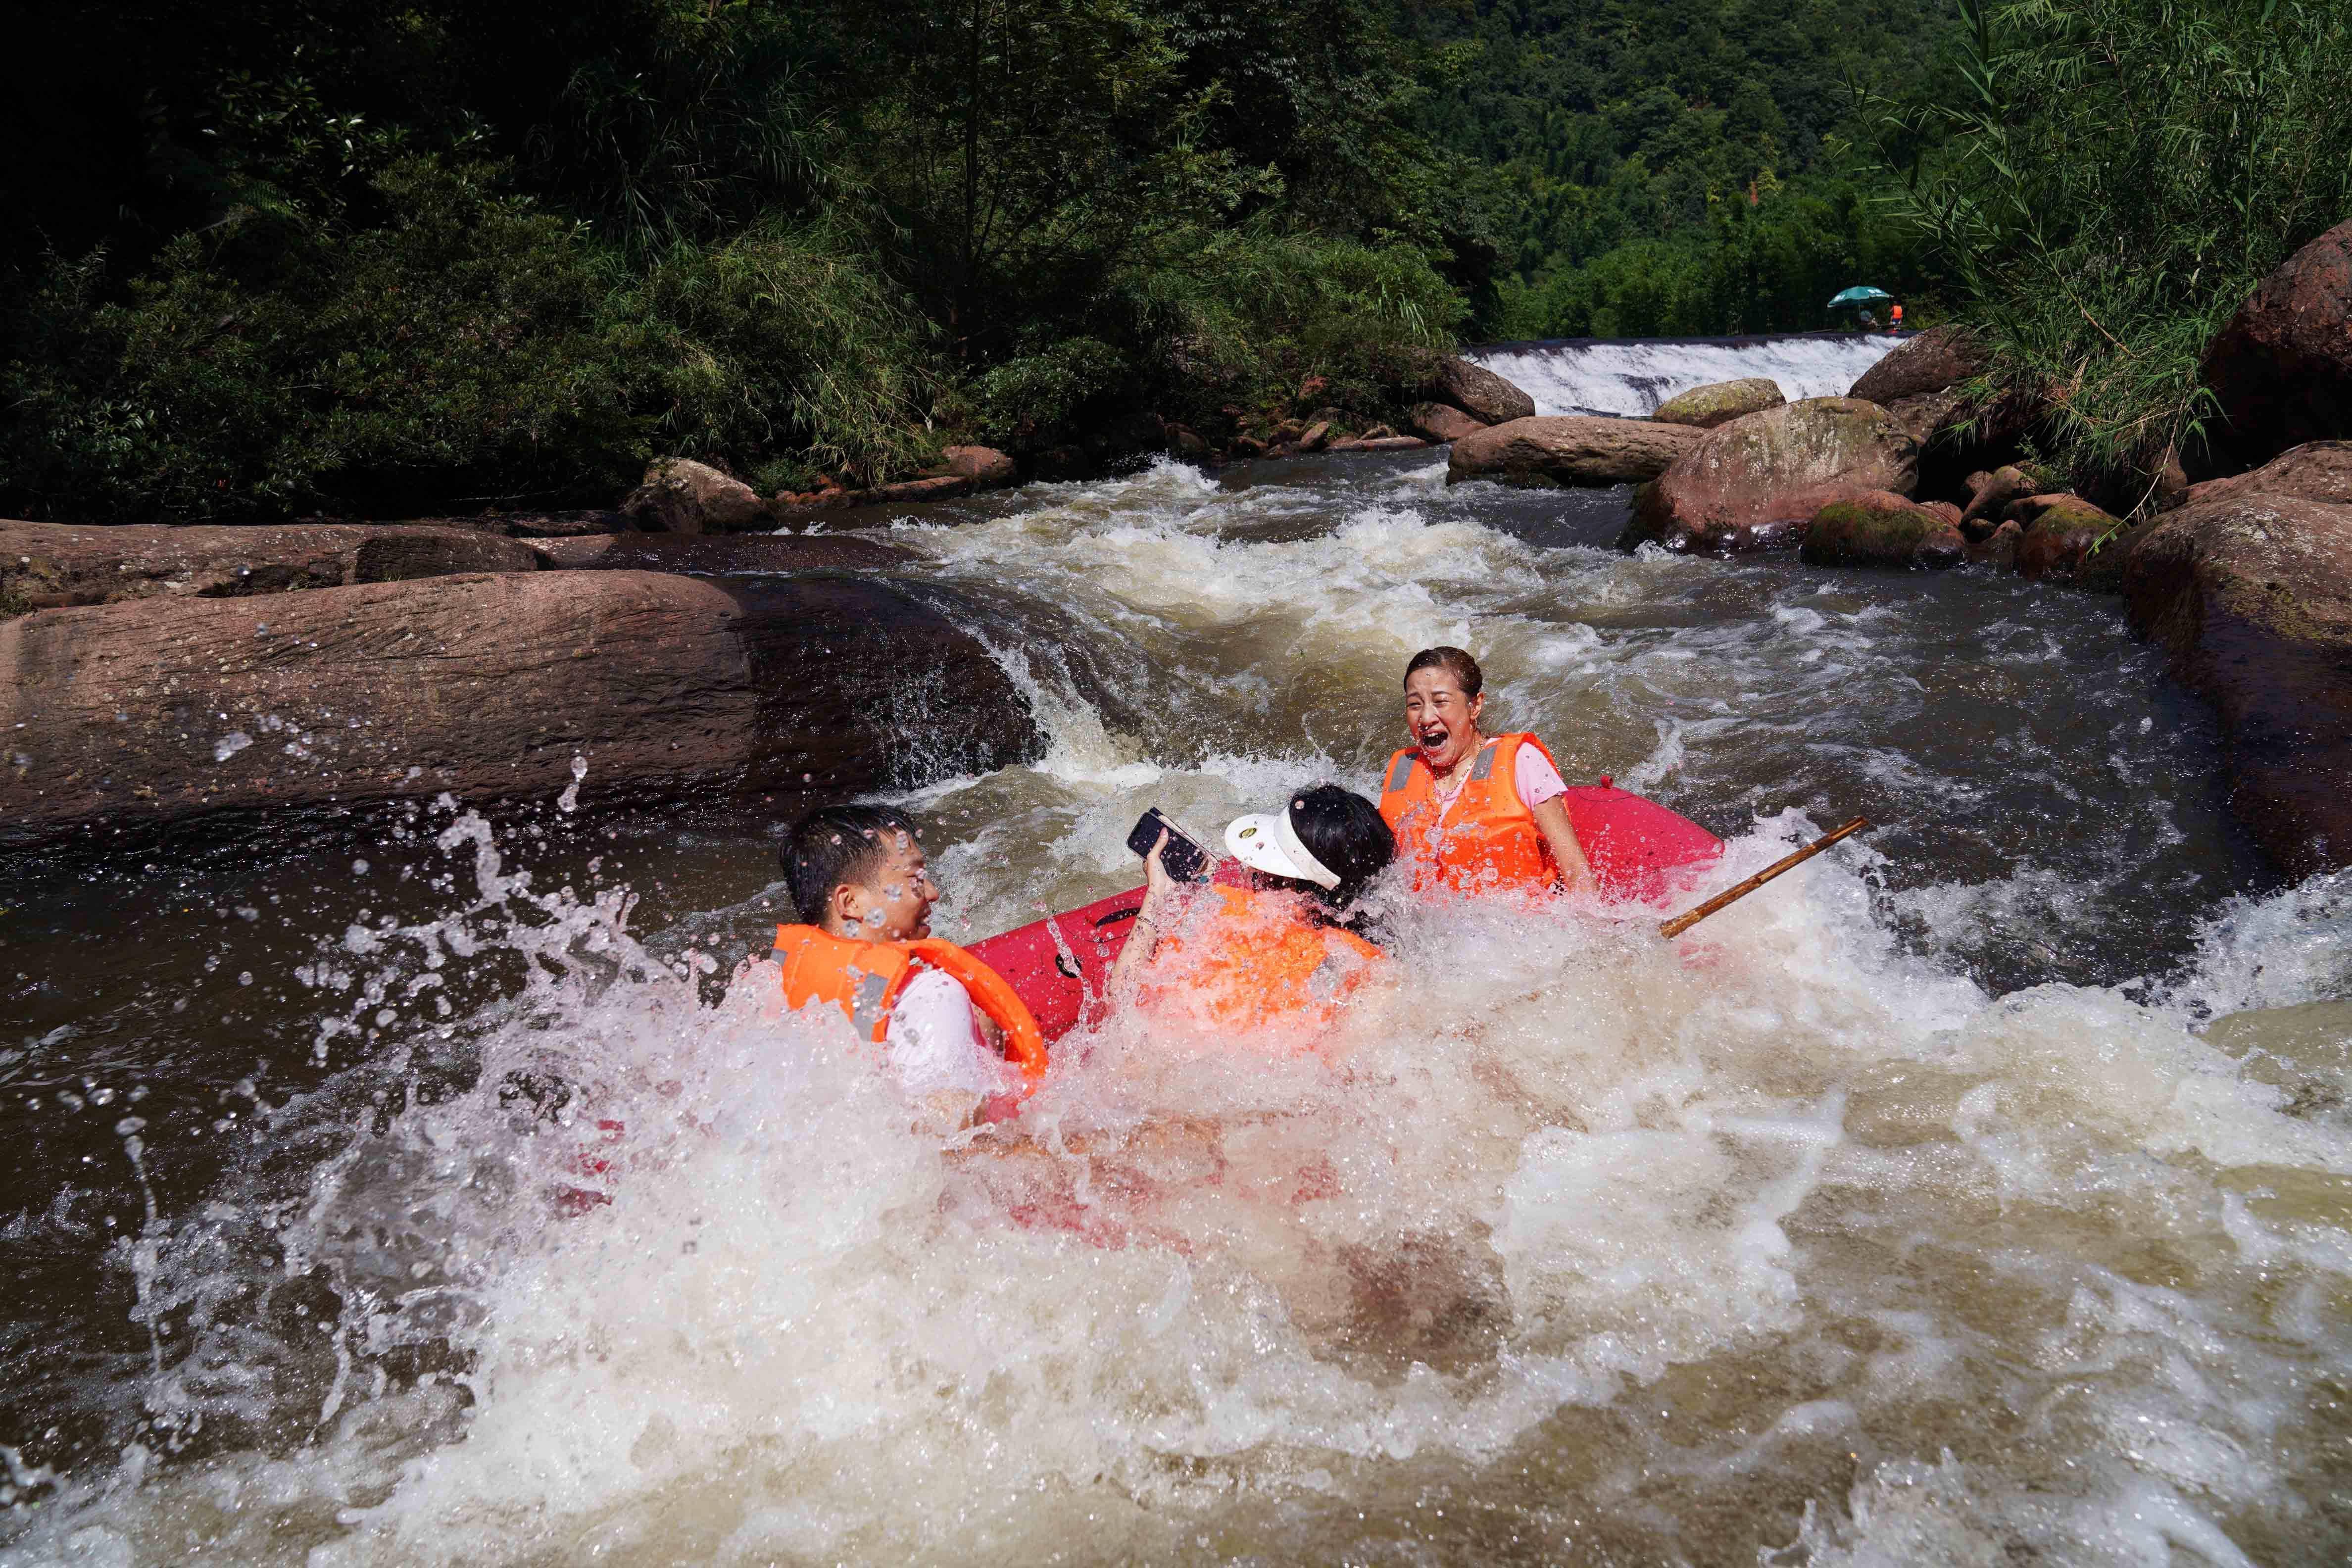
(1442, 719)
(895, 903)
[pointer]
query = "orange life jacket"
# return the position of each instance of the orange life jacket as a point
(1488, 841)
(863, 979)
(1258, 959)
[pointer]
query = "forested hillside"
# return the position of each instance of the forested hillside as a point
(319, 254)
(1683, 166)
(325, 256)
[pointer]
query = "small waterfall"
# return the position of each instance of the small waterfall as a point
(1631, 376)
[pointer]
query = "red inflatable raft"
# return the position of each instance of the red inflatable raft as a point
(1056, 964)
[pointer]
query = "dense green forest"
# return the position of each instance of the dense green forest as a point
(1662, 167)
(308, 256)
(316, 253)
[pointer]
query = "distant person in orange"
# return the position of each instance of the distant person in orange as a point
(1475, 812)
(1895, 320)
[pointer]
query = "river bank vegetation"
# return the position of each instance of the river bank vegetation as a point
(312, 257)
(2112, 182)
(301, 255)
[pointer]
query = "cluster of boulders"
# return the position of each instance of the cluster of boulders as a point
(682, 496)
(153, 675)
(679, 495)
(1458, 399)
(1867, 479)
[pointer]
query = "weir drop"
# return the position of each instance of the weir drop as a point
(1980, 1193)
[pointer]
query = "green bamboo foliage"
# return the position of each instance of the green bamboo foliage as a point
(2114, 179)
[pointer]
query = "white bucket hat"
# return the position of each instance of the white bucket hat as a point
(1267, 842)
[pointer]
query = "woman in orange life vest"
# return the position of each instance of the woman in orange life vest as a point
(1286, 952)
(864, 893)
(1475, 812)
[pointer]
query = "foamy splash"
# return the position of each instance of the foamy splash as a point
(1631, 376)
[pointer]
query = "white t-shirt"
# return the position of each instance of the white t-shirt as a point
(934, 1044)
(1532, 775)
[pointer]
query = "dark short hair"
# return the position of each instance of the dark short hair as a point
(1347, 834)
(835, 844)
(1455, 662)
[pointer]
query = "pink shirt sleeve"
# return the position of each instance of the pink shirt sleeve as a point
(1536, 780)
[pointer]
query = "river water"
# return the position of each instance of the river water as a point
(1982, 1193)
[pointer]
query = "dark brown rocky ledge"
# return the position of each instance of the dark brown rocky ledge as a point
(160, 710)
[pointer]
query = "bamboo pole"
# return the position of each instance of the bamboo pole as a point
(1689, 918)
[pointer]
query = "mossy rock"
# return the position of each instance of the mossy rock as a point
(1720, 403)
(2069, 539)
(1878, 528)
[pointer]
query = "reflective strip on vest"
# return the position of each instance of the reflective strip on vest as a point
(866, 1006)
(1484, 768)
(864, 1002)
(1401, 774)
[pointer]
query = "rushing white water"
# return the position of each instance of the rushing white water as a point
(1805, 1236)
(1631, 376)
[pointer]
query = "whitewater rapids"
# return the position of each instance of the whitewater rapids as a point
(1982, 1193)
(1631, 376)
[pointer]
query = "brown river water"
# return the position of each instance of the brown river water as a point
(1982, 1193)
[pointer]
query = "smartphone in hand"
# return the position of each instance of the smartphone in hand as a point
(1185, 858)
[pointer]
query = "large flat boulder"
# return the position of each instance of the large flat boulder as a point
(1568, 449)
(50, 565)
(1720, 403)
(1478, 392)
(725, 554)
(2316, 471)
(1757, 482)
(571, 524)
(2281, 367)
(137, 715)
(1938, 359)
(2252, 596)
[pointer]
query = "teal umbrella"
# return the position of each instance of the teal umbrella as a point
(1858, 295)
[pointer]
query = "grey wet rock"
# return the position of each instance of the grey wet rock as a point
(1720, 403)
(681, 496)
(1478, 392)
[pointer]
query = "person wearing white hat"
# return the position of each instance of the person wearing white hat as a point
(1284, 951)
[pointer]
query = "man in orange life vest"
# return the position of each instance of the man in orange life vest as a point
(864, 890)
(1475, 813)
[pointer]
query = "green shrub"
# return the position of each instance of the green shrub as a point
(1246, 318)
(472, 350)
(455, 352)
(2122, 173)
(1062, 395)
(780, 347)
